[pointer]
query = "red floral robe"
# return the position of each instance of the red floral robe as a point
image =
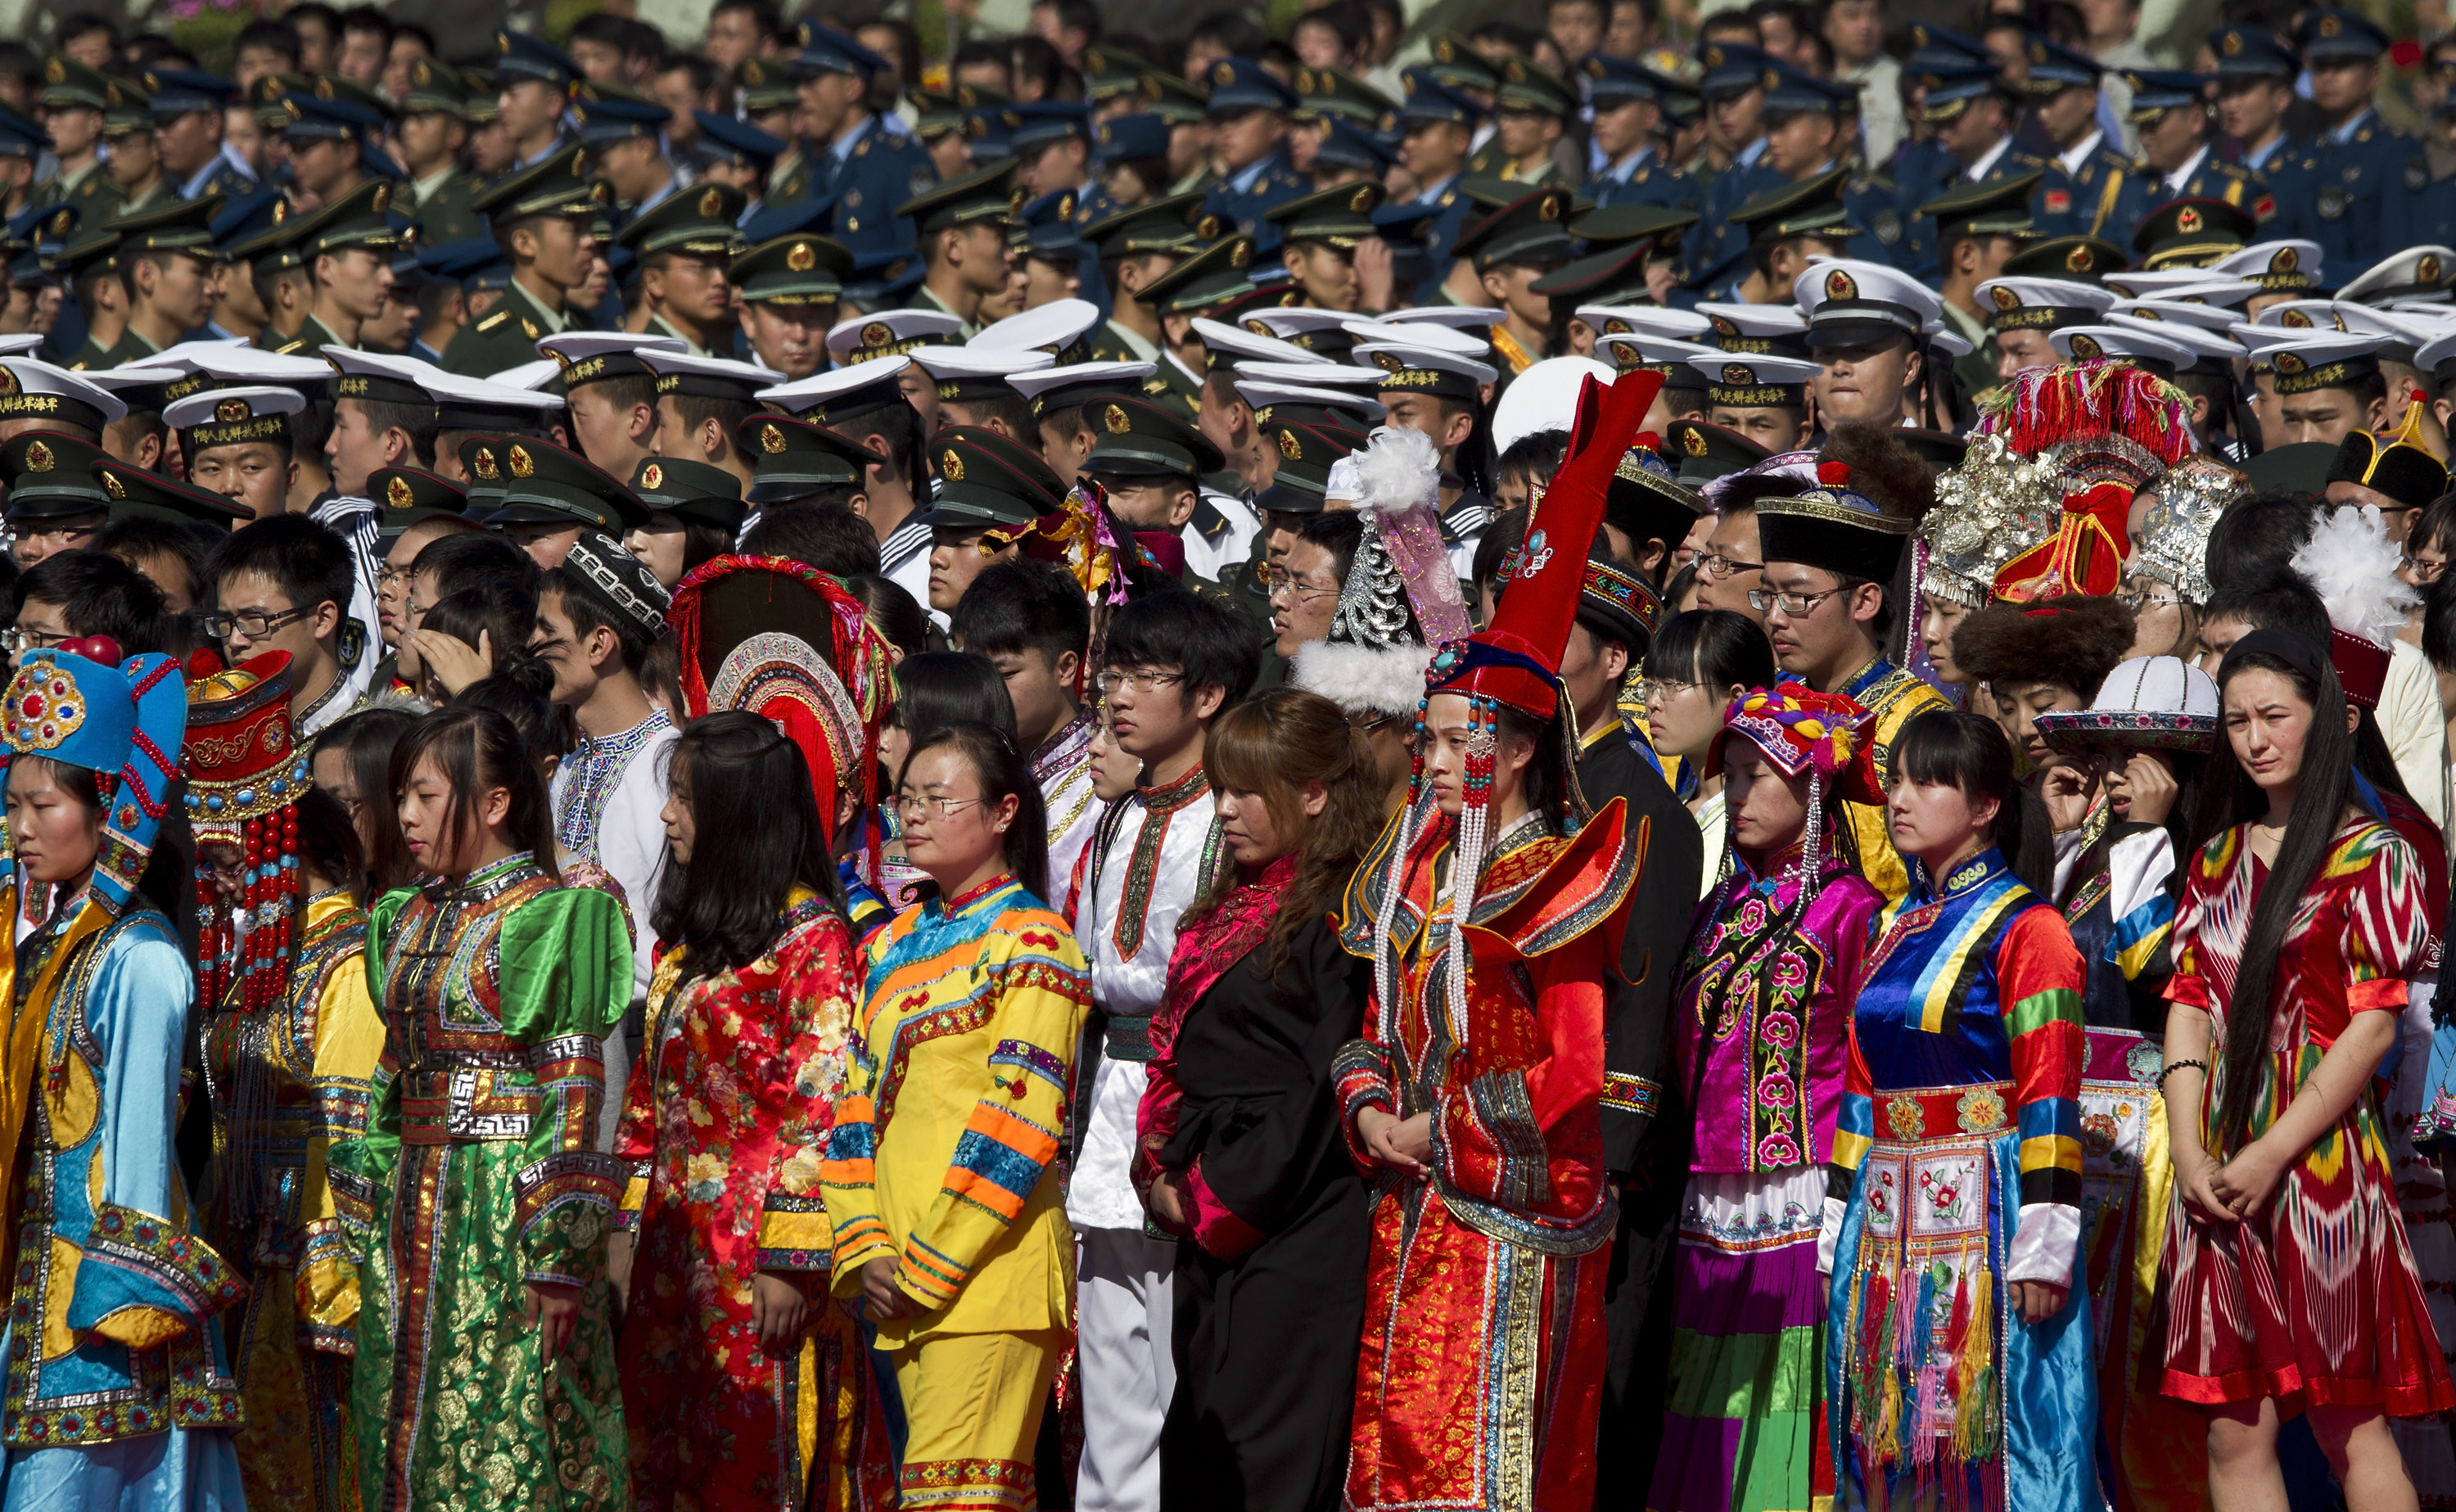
(727, 1113)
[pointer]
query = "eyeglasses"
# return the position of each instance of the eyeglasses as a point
(2422, 571)
(2149, 599)
(20, 641)
(1717, 565)
(1764, 600)
(909, 806)
(253, 623)
(1114, 682)
(1293, 589)
(1659, 689)
(390, 576)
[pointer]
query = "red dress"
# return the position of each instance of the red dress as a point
(2313, 1300)
(728, 1110)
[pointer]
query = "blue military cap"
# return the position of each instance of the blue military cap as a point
(881, 277)
(463, 261)
(1045, 227)
(2056, 67)
(330, 116)
(608, 117)
(828, 51)
(729, 139)
(248, 215)
(1430, 102)
(20, 137)
(1934, 46)
(792, 217)
(1613, 80)
(1732, 67)
(518, 55)
(2339, 36)
(1047, 121)
(181, 91)
(1345, 143)
(1951, 90)
(2156, 91)
(2253, 52)
(45, 227)
(1242, 84)
(1119, 137)
(1791, 93)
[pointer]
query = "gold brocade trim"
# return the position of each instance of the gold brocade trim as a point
(1513, 356)
(1518, 1408)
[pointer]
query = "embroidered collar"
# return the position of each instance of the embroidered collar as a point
(1866, 678)
(1168, 800)
(488, 881)
(963, 902)
(1066, 748)
(1966, 878)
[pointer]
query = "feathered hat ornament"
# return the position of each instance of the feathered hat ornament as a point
(2351, 565)
(1402, 596)
(1801, 730)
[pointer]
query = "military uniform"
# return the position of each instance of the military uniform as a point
(1651, 181)
(446, 210)
(90, 190)
(1716, 237)
(505, 338)
(1243, 200)
(2050, 209)
(2110, 194)
(2359, 195)
(880, 173)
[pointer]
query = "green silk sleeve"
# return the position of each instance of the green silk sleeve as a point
(565, 963)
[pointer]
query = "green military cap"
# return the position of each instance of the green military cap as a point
(355, 219)
(127, 107)
(267, 94)
(1995, 207)
(1662, 224)
(558, 185)
(485, 105)
(48, 475)
(2191, 232)
(1812, 207)
(331, 89)
(544, 483)
(1177, 101)
(1706, 452)
(1529, 228)
(409, 495)
(135, 494)
(800, 269)
(1217, 274)
(1111, 71)
(1177, 223)
(984, 478)
(273, 249)
(987, 193)
(1336, 92)
(67, 82)
(935, 114)
(1524, 87)
(1614, 275)
(2083, 260)
(482, 462)
(695, 492)
(766, 84)
(95, 252)
(697, 221)
(433, 88)
(981, 98)
(179, 225)
(797, 457)
(1135, 438)
(1305, 450)
(1339, 216)
(1456, 63)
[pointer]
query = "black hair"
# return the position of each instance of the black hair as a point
(2439, 622)
(506, 616)
(1544, 792)
(891, 611)
(306, 561)
(1971, 752)
(1210, 644)
(703, 76)
(2323, 786)
(98, 594)
(975, 52)
(365, 741)
(421, 424)
(764, 13)
(367, 18)
(414, 33)
(613, 30)
(1018, 604)
(1003, 772)
(329, 841)
(749, 789)
(2434, 527)
(829, 537)
(939, 688)
(477, 751)
(1507, 530)
(695, 410)
(270, 36)
(1341, 532)
(589, 610)
(1037, 59)
(142, 538)
(2255, 535)
(544, 729)
(897, 428)
(1010, 410)
(2279, 599)
(474, 559)
(1075, 15)
(85, 23)
(1233, 32)
(1349, 23)
(1718, 647)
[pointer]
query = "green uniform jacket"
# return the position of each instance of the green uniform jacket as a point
(505, 338)
(446, 212)
(91, 191)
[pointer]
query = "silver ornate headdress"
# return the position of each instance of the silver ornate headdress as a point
(1401, 599)
(1990, 507)
(2175, 545)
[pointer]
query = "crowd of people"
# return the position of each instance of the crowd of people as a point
(1654, 759)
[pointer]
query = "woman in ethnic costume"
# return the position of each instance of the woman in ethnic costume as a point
(2290, 1284)
(940, 1178)
(485, 1370)
(1957, 1354)
(740, 1382)
(1475, 1097)
(1763, 1031)
(1239, 1145)
(291, 1044)
(2166, 580)
(1699, 665)
(123, 1400)
(1990, 507)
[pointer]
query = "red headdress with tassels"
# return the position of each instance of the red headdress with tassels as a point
(2110, 429)
(785, 641)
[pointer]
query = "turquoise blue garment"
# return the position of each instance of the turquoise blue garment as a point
(101, 1423)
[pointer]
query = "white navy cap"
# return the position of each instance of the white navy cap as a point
(2120, 343)
(1264, 394)
(963, 374)
(1288, 321)
(2324, 360)
(2202, 317)
(1852, 303)
(2028, 304)
(834, 394)
(2439, 358)
(1429, 369)
(1945, 340)
(2277, 267)
(2417, 272)
(1079, 383)
(1754, 380)
(591, 357)
(382, 376)
(2230, 293)
(1316, 375)
(36, 390)
(1241, 345)
(251, 364)
(1620, 319)
(716, 378)
(465, 403)
(1054, 328)
(1456, 317)
(26, 341)
(1665, 355)
(129, 376)
(2154, 282)
(2303, 315)
(2204, 348)
(535, 374)
(1425, 333)
(887, 333)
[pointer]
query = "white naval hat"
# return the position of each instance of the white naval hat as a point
(719, 377)
(1239, 344)
(1754, 380)
(2203, 316)
(1287, 323)
(1849, 303)
(1421, 333)
(591, 357)
(1317, 375)
(1665, 355)
(1545, 397)
(1262, 395)
(2202, 345)
(2152, 282)
(2277, 267)
(1456, 317)
(1777, 328)
(838, 393)
(2417, 272)
(131, 376)
(253, 401)
(1620, 319)
(2228, 294)
(38, 390)
(1051, 328)
(2133, 342)
(1079, 383)
(2303, 315)
(535, 374)
(2318, 359)
(2023, 304)
(885, 333)
(251, 364)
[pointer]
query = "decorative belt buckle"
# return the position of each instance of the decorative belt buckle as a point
(1980, 1110)
(1904, 1116)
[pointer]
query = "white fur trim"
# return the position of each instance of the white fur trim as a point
(2349, 561)
(1398, 470)
(1359, 677)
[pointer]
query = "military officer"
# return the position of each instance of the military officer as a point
(1317, 236)
(167, 255)
(2177, 161)
(2284, 270)
(1327, 98)
(791, 289)
(2191, 234)
(347, 291)
(2358, 184)
(1203, 284)
(732, 151)
(71, 105)
(542, 214)
(1979, 227)
(962, 240)
(1627, 99)
(1152, 461)
(1734, 88)
(683, 245)
(768, 102)
(1438, 122)
(1052, 154)
(2083, 260)
(187, 107)
(1922, 167)
(1531, 111)
(1349, 154)
(1112, 81)
(1248, 112)
(2021, 309)
(2062, 84)
(128, 145)
(1135, 248)
(1785, 226)
(532, 82)
(1809, 126)
(88, 265)
(870, 169)
(433, 130)
(1186, 108)
(1513, 249)
(1971, 110)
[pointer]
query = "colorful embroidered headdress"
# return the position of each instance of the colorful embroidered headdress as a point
(121, 722)
(244, 778)
(1990, 507)
(2351, 565)
(786, 641)
(2109, 430)
(1401, 594)
(1804, 731)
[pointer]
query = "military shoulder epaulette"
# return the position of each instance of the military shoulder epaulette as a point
(493, 320)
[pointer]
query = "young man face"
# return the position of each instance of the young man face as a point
(529, 110)
(1855, 29)
(2326, 415)
(1526, 134)
(792, 338)
(1326, 275)
(956, 560)
(1622, 128)
(1244, 137)
(355, 279)
(1042, 692)
(1054, 166)
(75, 128)
(828, 102)
(133, 159)
(430, 140)
(661, 543)
(263, 618)
(256, 474)
(1046, 282)
(2067, 115)
(188, 141)
(1153, 719)
(1733, 120)
(694, 288)
(607, 433)
(1865, 383)
(2342, 86)
(545, 541)
(1775, 428)
(732, 36)
(34, 540)
(2017, 349)
(355, 447)
(1732, 565)
(1799, 142)
(321, 165)
(635, 167)
(180, 287)
(1832, 630)
(1152, 501)
(2169, 141)
(1511, 285)
(2249, 109)
(560, 247)
(1576, 27)
(1432, 151)
(1974, 129)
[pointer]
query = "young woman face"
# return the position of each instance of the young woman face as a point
(893, 745)
(1769, 808)
(951, 830)
(1113, 771)
(681, 827)
(1935, 632)
(228, 864)
(58, 829)
(1253, 833)
(441, 840)
(1446, 728)
(2266, 722)
(1685, 718)
(1935, 821)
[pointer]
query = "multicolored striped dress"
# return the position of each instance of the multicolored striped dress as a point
(2257, 1309)
(1958, 1147)
(1762, 1032)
